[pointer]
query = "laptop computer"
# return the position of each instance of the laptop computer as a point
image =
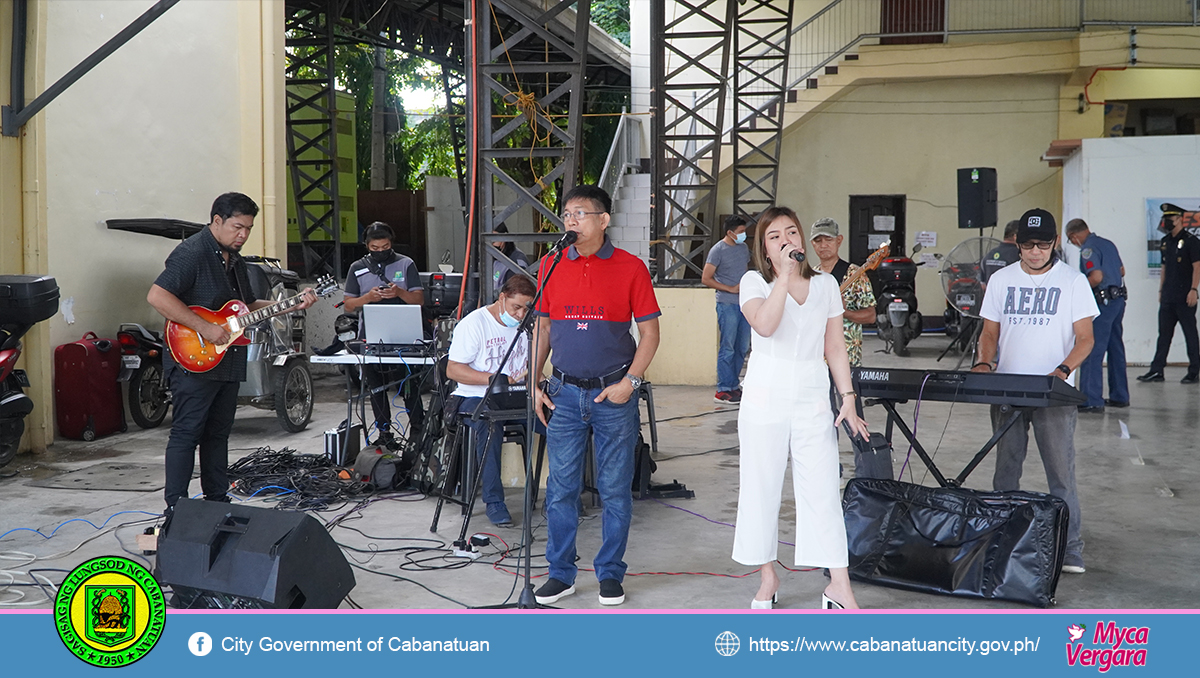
(392, 325)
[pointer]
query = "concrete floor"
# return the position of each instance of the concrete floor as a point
(1140, 498)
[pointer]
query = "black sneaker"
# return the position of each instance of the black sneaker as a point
(1190, 379)
(1117, 403)
(1152, 375)
(552, 592)
(611, 592)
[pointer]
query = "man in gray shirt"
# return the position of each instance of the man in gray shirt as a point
(723, 271)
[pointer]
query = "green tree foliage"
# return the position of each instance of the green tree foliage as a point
(613, 17)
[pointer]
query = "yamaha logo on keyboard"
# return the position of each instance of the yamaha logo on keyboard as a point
(869, 375)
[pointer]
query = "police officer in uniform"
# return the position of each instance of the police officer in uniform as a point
(1177, 294)
(1101, 263)
(1003, 254)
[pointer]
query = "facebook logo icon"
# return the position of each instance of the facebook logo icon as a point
(200, 643)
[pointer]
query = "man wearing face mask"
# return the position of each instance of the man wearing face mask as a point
(386, 277)
(481, 340)
(726, 264)
(1177, 283)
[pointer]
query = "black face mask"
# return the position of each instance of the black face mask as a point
(381, 256)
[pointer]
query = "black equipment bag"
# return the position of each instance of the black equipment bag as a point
(956, 541)
(873, 457)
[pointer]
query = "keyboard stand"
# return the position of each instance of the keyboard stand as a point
(894, 417)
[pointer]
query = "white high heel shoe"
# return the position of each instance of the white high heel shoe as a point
(757, 604)
(828, 603)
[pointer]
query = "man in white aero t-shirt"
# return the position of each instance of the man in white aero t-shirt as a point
(1037, 317)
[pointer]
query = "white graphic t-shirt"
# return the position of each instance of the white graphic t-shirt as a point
(480, 342)
(1036, 315)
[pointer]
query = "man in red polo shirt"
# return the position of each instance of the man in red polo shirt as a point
(584, 316)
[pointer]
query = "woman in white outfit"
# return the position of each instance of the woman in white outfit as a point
(796, 316)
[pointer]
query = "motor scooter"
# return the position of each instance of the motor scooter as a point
(896, 315)
(149, 396)
(25, 300)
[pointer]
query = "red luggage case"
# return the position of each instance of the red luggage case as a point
(87, 396)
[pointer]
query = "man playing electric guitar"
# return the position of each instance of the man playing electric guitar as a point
(206, 270)
(856, 297)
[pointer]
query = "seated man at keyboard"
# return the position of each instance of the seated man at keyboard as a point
(1037, 319)
(480, 342)
(384, 276)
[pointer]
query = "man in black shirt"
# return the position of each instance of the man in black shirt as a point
(1179, 278)
(385, 277)
(206, 270)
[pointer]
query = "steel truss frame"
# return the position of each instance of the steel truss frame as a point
(688, 76)
(550, 68)
(762, 44)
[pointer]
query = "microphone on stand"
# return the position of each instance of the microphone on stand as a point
(564, 242)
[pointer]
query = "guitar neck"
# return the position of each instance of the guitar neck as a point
(280, 307)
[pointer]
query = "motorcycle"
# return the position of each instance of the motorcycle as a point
(149, 396)
(25, 300)
(896, 315)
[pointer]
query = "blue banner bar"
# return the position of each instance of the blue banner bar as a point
(993, 643)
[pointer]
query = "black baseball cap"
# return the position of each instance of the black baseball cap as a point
(1037, 224)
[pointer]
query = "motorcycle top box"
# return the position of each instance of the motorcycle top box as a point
(27, 299)
(896, 269)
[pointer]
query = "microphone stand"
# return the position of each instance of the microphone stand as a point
(526, 601)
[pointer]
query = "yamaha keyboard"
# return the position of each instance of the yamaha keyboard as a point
(1018, 390)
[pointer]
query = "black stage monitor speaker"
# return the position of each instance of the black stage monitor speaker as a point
(977, 197)
(227, 555)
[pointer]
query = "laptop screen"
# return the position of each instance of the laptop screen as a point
(392, 324)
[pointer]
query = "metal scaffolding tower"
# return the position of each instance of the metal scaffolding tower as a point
(688, 77)
(762, 42)
(526, 76)
(311, 116)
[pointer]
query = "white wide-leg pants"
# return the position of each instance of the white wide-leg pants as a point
(785, 410)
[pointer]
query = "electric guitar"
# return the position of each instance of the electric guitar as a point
(194, 354)
(870, 264)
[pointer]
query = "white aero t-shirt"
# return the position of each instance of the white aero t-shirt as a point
(1037, 315)
(480, 342)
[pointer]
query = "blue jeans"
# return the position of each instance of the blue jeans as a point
(489, 448)
(735, 342)
(614, 429)
(1107, 331)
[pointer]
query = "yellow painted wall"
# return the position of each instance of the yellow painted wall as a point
(23, 246)
(687, 352)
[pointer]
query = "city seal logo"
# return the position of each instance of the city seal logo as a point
(110, 611)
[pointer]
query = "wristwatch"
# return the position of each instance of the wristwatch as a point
(1064, 369)
(636, 381)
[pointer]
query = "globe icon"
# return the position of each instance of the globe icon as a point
(728, 644)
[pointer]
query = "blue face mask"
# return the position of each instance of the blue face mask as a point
(740, 238)
(508, 320)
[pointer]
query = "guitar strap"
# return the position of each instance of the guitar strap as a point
(840, 269)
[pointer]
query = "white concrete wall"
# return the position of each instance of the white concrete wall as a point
(1115, 178)
(171, 120)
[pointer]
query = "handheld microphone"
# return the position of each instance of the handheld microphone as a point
(797, 255)
(566, 241)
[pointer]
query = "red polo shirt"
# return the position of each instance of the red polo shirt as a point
(590, 302)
